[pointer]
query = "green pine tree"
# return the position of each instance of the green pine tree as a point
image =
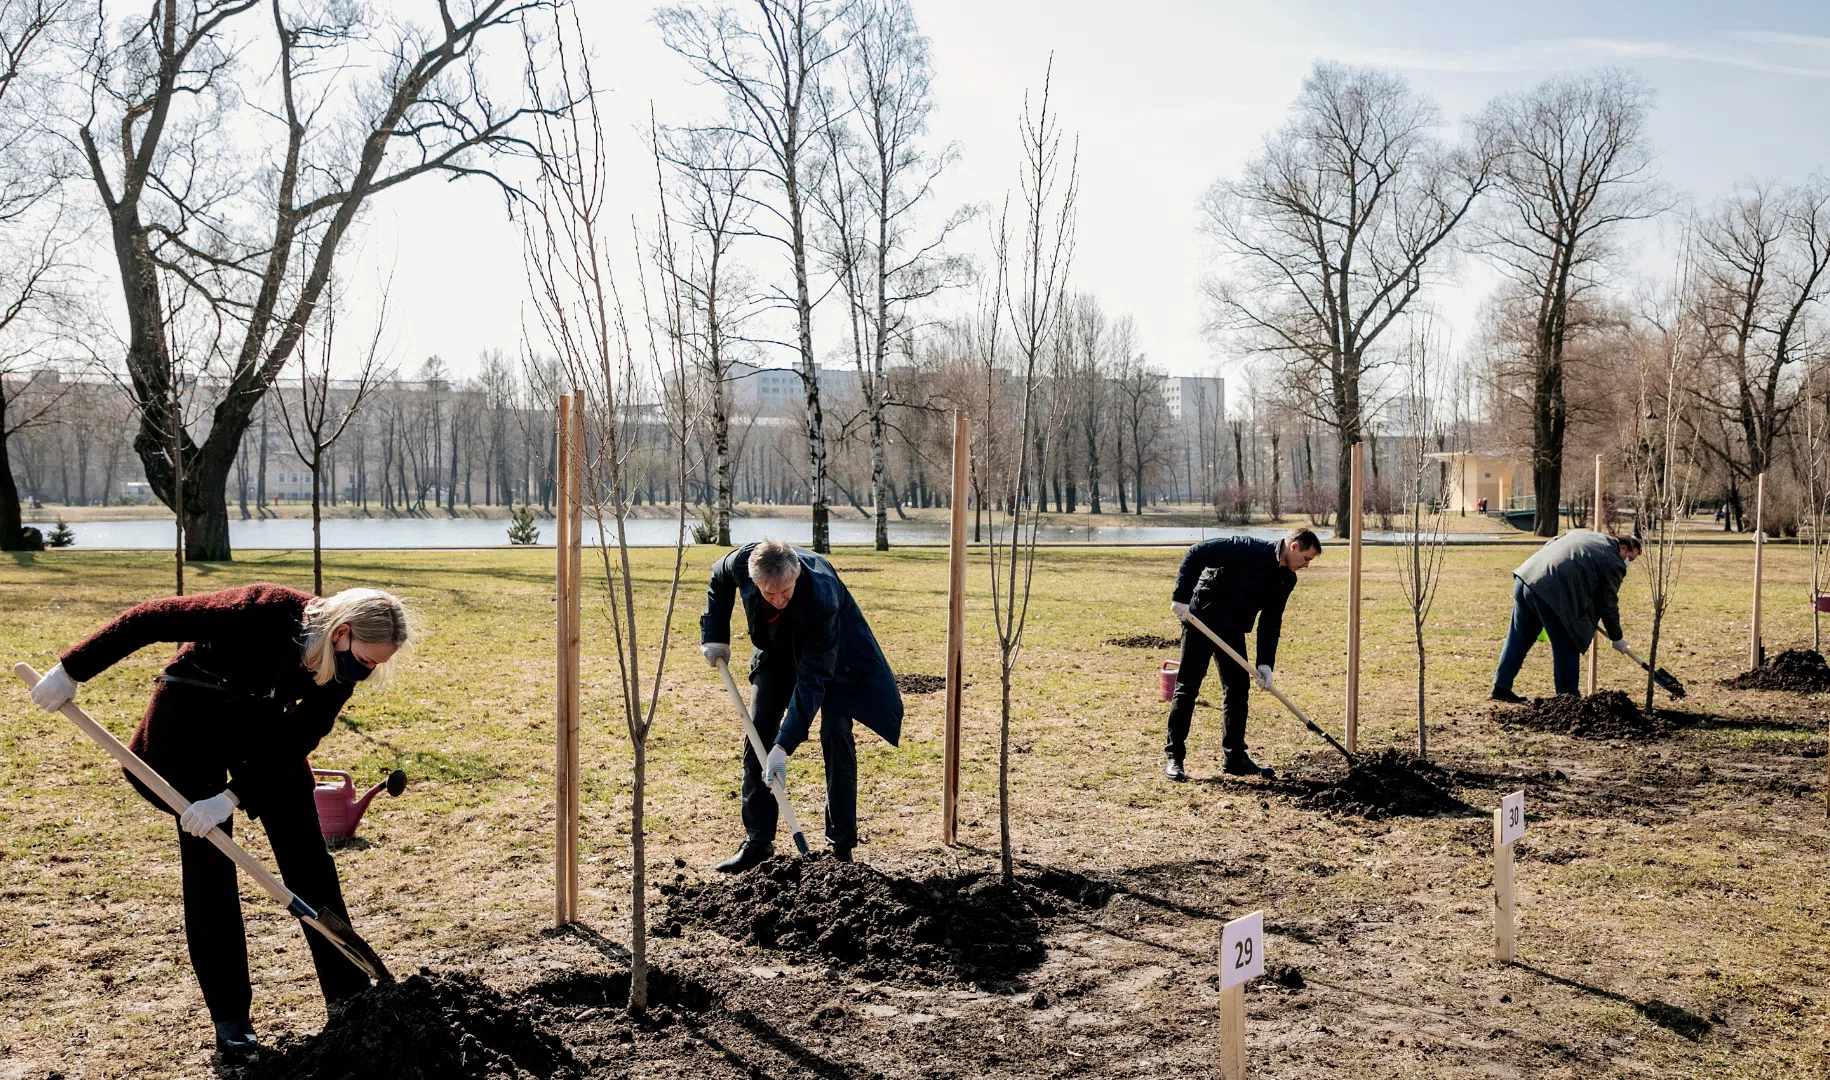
(62, 535)
(521, 528)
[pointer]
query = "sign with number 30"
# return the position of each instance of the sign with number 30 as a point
(1242, 950)
(1512, 817)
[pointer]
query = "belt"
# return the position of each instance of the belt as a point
(206, 684)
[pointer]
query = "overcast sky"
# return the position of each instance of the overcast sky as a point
(1167, 97)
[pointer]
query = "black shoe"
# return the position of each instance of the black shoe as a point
(1172, 768)
(752, 853)
(1240, 763)
(1507, 696)
(842, 852)
(235, 1040)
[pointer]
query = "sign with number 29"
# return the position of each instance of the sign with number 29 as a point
(1242, 950)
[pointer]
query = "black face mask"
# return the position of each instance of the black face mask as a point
(350, 669)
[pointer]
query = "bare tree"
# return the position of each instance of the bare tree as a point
(1087, 352)
(321, 410)
(1424, 523)
(1033, 283)
(1330, 231)
(256, 244)
(769, 69)
(1572, 164)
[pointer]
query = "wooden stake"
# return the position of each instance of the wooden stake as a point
(1595, 642)
(956, 629)
(1354, 519)
(574, 627)
(1754, 650)
(1232, 1033)
(1502, 889)
(562, 711)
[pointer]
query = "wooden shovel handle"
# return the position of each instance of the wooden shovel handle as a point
(780, 789)
(157, 785)
(1275, 692)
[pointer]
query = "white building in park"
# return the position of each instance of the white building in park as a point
(1196, 405)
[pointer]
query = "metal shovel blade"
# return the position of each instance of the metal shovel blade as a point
(344, 937)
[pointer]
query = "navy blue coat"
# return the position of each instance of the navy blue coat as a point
(837, 664)
(1234, 581)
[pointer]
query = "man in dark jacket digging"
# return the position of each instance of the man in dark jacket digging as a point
(1572, 583)
(811, 651)
(1228, 584)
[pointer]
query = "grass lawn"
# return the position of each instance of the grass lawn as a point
(1673, 895)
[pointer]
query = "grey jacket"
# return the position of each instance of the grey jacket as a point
(1577, 576)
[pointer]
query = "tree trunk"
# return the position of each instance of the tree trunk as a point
(1277, 478)
(317, 530)
(877, 484)
(11, 529)
(638, 882)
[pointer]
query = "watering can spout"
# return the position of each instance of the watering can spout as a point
(394, 785)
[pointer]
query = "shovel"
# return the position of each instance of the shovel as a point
(780, 787)
(1275, 692)
(1666, 681)
(327, 923)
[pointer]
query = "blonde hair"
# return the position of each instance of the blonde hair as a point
(773, 562)
(374, 617)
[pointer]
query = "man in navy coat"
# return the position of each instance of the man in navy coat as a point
(811, 651)
(1228, 584)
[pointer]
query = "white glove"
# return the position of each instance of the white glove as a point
(1621, 646)
(1179, 610)
(715, 652)
(54, 690)
(205, 814)
(776, 768)
(1264, 676)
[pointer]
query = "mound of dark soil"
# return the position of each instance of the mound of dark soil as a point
(859, 569)
(581, 989)
(970, 928)
(427, 1027)
(1610, 714)
(1387, 784)
(920, 684)
(1799, 670)
(1145, 641)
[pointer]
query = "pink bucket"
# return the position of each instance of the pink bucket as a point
(1821, 601)
(1168, 676)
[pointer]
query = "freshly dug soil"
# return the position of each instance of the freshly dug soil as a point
(1610, 714)
(972, 928)
(426, 1027)
(1145, 641)
(920, 684)
(1799, 670)
(1387, 784)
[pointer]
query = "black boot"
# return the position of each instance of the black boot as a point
(1172, 768)
(1506, 696)
(842, 852)
(235, 1040)
(752, 853)
(1240, 763)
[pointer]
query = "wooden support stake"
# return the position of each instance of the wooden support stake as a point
(1755, 654)
(956, 629)
(1502, 889)
(574, 626)
(1595, 642)
(1354, 521)
(1232, 1033)
(562, 710)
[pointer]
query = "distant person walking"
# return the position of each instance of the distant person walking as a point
(1572, 583)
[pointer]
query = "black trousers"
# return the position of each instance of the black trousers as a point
(1197, 650)
(212, 901)
(772, 687)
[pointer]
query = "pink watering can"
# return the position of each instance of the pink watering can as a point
(1168, 676)
(1821, 601)
(339, 811)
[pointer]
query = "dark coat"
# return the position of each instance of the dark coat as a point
(1231, 582)
(1577, 576)
(837, 664)
(270, 715)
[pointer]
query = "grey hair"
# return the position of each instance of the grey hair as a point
(773, 562)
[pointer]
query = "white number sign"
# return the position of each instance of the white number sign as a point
(1512, 817)
(1242, 950)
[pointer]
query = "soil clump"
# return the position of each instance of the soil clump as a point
(920, 684)
(1145, 641)
(1610, 714)
(1387, 784)
(426, 1027)
(1798, 670)
(971, 928)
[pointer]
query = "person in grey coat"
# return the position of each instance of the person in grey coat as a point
(1571, 584)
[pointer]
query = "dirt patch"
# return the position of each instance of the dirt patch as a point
(971, 928)
(1610, 714)
(581, 989)
(427, 1027)
(920, 684)
(859, 569)
(1798, 670)
(1145, 641)
(1386, 784)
